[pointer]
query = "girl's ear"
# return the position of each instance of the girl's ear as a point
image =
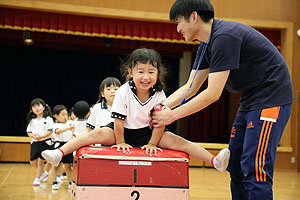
(130, 72)
(102, 94)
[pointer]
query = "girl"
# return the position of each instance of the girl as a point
(131, 109)
(39, 128)
(71, 115)
(63, 132)
(101, 111)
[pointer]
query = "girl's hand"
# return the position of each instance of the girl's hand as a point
(36, 137)
(151, 148)
(122, 145)
(71, 127)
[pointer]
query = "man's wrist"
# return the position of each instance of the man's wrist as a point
(173, 115)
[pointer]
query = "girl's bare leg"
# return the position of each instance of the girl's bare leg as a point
(40, 167)
(171, 141)
(55, 172)
(68, 171)
(34, 163)
(48, 167)
(103, 135)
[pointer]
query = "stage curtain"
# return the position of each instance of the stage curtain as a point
(89, 26)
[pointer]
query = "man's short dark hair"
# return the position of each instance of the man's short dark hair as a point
(185, 8)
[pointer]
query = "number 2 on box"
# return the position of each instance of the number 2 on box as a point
(137, 194)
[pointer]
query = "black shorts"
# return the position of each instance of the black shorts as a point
(67, 158)
(36, 148)
(135, 137)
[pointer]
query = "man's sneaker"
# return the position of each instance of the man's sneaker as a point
(55, 185)
(44, 176)
(221, 160)
(36, 182)
(52, 156)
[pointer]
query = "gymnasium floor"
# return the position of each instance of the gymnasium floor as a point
(205, 184)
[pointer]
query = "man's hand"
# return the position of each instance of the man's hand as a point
(162, 118)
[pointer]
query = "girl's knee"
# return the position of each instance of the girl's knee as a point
(41, 161)
(33, 163)
(96, 133)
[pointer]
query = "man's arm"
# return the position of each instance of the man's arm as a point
(216, 84)
(174, 99)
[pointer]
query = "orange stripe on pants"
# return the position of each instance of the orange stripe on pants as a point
(261, 151)
(257, 152)
(265, 151)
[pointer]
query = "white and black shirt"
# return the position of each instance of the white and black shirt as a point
(100, 116)
(128, 107)
(80, 127)
(64, 136)
(40, 126)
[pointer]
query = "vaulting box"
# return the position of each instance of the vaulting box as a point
(104, 173)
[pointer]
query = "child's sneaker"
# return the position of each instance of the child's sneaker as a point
(52, 156)
(55, 185)
(62, 178)
(36, 182)
(70, 185)
(59, 179)
(44, 176)
(220, 161)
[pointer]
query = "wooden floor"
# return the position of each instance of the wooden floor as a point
(205, 184)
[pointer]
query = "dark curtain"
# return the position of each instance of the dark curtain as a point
(209, 124)
(58, 77)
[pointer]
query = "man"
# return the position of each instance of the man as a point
(240, 59)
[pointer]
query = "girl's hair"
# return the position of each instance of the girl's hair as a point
(106, 83)
(185, 8)
(47, 112)
(58, 108)
(145, 56)
(70, 112)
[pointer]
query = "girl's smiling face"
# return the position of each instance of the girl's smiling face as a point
(144, 76)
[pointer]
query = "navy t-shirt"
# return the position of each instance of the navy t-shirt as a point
(257, 69)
